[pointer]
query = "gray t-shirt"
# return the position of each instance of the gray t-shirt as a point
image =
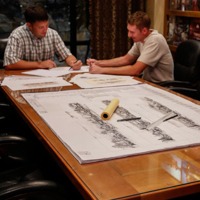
(155, 53)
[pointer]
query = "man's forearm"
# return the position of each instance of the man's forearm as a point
(24, 65)
(114, 62)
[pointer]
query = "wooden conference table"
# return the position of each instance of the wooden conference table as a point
(135, 177)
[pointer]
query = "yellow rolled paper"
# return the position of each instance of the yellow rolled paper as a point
(110, 109)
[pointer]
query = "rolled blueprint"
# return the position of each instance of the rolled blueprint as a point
(110, 109)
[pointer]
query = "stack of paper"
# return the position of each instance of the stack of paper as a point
(87, 80)
(29, 82)
(57, 71)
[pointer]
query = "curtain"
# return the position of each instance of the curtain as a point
(108, 26)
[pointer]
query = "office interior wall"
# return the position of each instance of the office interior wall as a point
(156, 10)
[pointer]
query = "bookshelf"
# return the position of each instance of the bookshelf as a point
(181, 21)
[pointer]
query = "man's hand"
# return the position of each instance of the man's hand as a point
(76, 65)
(95, 69)
(90, 61)
(47, 64)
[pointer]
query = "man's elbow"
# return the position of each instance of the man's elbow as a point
(138, 68)
(135, 72)
(9, 67)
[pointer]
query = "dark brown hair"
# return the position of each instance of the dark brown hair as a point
(35, 13)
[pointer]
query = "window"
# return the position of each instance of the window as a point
(69, 17)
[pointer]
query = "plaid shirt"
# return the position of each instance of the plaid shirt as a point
(23, 45)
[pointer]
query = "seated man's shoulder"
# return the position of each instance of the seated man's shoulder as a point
(19, 31)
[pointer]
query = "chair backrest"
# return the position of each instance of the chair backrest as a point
(3, 43)
(187, 61)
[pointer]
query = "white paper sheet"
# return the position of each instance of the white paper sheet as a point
(87, 80)
(17, 77)
(23, 82)
(55, 72)
(74, 116)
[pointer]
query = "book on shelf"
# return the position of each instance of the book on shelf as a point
(171, 27)
(194, 29)
(195, 5)
(181, 30)
(173, 4)
(184, 5)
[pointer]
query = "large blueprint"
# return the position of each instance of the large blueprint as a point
(74, 116)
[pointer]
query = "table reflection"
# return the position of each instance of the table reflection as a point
(181, 169)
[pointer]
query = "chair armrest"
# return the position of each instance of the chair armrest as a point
(48, 189)
(190, 92)
(15, 148)
(4, 104)
(169, 84)
(11, 139)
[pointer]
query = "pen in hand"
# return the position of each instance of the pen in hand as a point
(73, 63)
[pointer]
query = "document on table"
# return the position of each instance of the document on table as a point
(87, 80)
(29, 82)
(75, 117)
(57, 71)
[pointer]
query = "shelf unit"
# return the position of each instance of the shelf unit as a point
(177, 18)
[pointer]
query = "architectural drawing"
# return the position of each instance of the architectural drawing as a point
(141, 124)
(163, 109)
(119, 141)
(75, 118)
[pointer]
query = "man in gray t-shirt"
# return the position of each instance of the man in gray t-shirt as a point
(150, 54)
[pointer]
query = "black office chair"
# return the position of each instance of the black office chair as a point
(26, 169)
(20, 178)
(3, 43)
(186, 70)
(23, 176)
(10, 123)
(35, 190)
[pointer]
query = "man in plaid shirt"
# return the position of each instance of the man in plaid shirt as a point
(34, 45)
